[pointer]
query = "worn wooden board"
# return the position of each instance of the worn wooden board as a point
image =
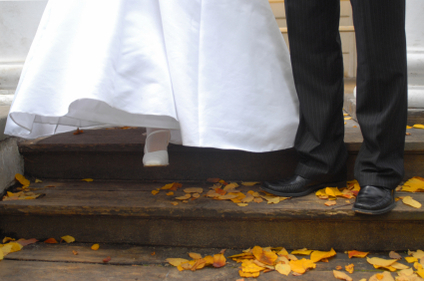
(135, 199)
(57, 262)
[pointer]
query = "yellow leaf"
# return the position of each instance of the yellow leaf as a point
(208, 260)
(249, 183)
(418, 266)
(231, 186)
(176, 261)
(349, 268)
(330, 203)
(316, 256)
(199, 264)
(195, 195)
(284, 269)
(219, 260)
(87, 180)
(7, 239)
(248, 266)
(95, 247)
(408, 127)
(418, 126)
(357, 254)
(242, 204)
(258, 200)
(347, 118)
(248, 198)
(381, 262)
(341, 275)
(411, 259)
(193, 190)
(254, 193)
(385, 276)
(418, 254)
(154, 192)
(171, 186)
(174, 203)
(247, 275)
(413, 184)
(283, 252)
(303, 251)
(14, 247)
(170, 193)
(333, 191)
(300, 266)
(265, 256)
(38, 181)
(6, 249)
(68, 239)
(321, 194)
(1, 254)
(407, 200)
(399, 266)
(22, 180)
(184, 197)
(421, 273)
(195, 256)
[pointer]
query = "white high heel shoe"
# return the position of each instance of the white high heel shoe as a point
(155, 148)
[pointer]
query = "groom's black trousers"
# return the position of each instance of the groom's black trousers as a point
(317, 61)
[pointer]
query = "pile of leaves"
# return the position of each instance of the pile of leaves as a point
(11, 245)
(221, 190)
(199, 262)
(24, 193)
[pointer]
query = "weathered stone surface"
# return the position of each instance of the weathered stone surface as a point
(11, 162)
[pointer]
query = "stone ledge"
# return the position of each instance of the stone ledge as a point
(11, 162)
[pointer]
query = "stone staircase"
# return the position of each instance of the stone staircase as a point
(118, 206)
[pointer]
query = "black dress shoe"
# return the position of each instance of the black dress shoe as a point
(373, 200)
(298, 186)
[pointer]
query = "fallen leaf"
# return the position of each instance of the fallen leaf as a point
(258, 200)
(418, 126)
(341, 275)
(170, 193)
(193, 190)
(38, 181)
(419, 254)
(74, 252)
(242, 204)
(284, 269)
(195, 256)
(300, 266)
(106, 260)
(248, 198)
(87, 180)
(265, 256)
(7, 239)
(249, 183)
(51, 241)
(347, 118)
(339, 267)
(407, 200)
(283, 252)
(78, 131)
(349, 268)
(357, 254)
(176, 261)
(68, 239)
(95, 247)
(172, 186)
(174, 203)
(22, 180)
(154, 192)
(399, 266)
(411, 259)
(219, 260)
(394, 255)
(184, 197)
(303, 251)
(220, 191)
(330, 203)
(24, 242)
(385, 276)
(316, 256)
(382, 263)
(414, 184)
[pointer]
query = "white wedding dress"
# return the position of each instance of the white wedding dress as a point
(216, 70)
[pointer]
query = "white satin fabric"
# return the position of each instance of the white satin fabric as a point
(217, 70)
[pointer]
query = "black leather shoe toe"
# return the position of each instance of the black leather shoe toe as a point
(374, 200)
(298, 186)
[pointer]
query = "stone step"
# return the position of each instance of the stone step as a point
(127, 212)
(117, 154)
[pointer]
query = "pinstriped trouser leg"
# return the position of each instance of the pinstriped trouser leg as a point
(317, 61)
(381, 90)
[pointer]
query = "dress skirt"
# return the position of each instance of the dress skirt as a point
(216, 70)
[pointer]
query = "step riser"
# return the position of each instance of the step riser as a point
(197, 165)
(342, 235)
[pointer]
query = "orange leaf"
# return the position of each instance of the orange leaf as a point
(51, 241)
(357, 254)
(154, 192)
(78, 131)
(349, 268)
(106, 260)
(220, 191)
(74, 252)
(219, 260)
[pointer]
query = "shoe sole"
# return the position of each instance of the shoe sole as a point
(306, 192)
(375, 212)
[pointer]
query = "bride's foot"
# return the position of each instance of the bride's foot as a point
(155, 148)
